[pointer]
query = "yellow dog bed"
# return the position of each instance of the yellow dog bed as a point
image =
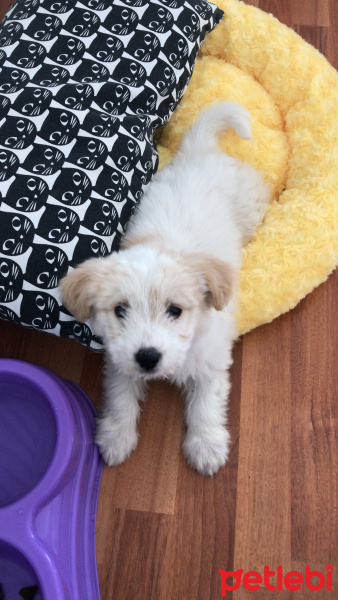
(292, 93)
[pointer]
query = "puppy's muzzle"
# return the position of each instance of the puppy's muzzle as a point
(148, 358)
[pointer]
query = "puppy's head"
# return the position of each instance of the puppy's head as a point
(147, 306)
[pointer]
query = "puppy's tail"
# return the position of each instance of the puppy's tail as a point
(219, 117)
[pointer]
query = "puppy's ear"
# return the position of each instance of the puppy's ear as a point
(77, 289)
(219, 278)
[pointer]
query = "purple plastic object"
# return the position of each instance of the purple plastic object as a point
(50, 473)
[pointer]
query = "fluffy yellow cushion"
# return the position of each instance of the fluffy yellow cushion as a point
(292, 92)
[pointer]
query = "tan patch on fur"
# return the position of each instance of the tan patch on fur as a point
(75, 289)
(218, 276)
(135, 240)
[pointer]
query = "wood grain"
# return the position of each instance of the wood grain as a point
(264, 477)
(148, 480)
(310, 13)
(280, 10)
(163, 531)
(314, 433)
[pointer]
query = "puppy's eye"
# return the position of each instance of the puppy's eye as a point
(120, 311)
(174, 311)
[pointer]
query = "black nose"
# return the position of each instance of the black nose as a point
(148, 358)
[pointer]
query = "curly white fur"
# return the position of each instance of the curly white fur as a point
(174, 285)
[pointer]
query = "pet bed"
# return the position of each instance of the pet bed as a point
(292, 92)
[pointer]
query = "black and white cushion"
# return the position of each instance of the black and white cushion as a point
(83, 85)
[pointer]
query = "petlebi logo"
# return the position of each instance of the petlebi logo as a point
(292, 580)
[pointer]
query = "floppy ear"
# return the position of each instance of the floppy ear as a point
(219, 278)
(77, 289)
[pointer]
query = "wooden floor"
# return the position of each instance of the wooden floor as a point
(163, 531)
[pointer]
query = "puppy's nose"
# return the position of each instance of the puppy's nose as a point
(148, 358)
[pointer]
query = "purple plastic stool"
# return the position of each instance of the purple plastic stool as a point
(50, 473)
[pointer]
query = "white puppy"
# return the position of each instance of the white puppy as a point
(164, 305)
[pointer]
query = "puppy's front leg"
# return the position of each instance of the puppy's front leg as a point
(206, 443)
(116, 433)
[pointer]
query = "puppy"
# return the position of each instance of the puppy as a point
(164, 304)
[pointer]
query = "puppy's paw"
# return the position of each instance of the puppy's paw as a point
(116, 443)
(207, 451)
